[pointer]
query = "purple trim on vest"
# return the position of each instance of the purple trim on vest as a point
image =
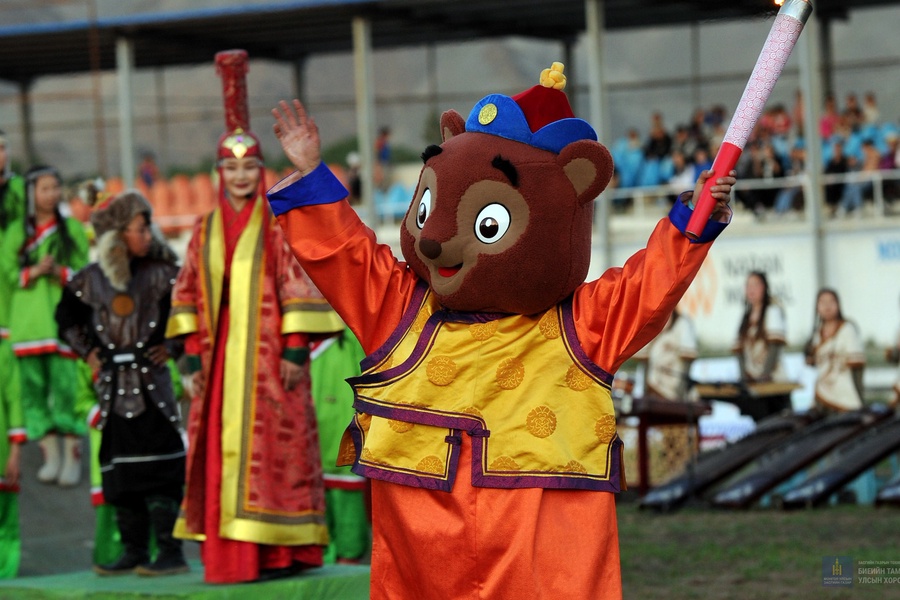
(470, 317)
(547, 481)
(472, 425)
(573, 343)
(405, 323)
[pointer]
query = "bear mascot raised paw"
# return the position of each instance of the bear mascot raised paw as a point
(483, 412)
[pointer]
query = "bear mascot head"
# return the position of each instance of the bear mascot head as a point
(502, 215)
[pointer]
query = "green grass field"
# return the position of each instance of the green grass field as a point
(765, 554)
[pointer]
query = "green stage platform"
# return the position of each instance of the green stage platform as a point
(332, 582)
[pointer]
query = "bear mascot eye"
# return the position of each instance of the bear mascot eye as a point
(492, 223)
(424, 210)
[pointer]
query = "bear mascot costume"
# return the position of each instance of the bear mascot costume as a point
(483, 412)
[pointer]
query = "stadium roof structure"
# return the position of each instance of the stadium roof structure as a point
(291, 30)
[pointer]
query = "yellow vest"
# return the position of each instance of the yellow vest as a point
(537, 410)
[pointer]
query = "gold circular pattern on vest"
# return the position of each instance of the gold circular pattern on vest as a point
(367, 456)
(510, 373)
(504, 463)
(431, 464)
(122, 305)
(471, 410)
(399, 426)
(605, 428)
(577, 380)
(421, 318)
(541, 422)
(573, 466)
(441, 370)
(483, 331)
(488, 113)
(549, 325)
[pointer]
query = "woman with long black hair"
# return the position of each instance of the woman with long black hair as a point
(761, 336)
(38, 258)
(836, 350)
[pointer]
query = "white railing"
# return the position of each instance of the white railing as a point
(653, 201)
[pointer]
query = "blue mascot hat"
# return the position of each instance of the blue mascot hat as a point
(540, 116)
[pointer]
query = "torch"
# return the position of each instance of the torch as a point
(785, 30)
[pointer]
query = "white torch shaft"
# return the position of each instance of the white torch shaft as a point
(783, 36)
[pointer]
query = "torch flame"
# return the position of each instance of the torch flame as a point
(779, 2)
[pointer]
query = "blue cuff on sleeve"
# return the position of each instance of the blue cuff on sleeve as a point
(319, 187)
(681, 214)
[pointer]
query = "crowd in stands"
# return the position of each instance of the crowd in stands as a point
(854, 137)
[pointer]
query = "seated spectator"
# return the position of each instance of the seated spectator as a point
(628, 157)
(892, 154)
(684, 142)
(682, 177)
(702, 161)
(760, 164)
(787, 198)
(837, 164)
(852, 114)
(890, 187)
(856, 191)
(659, 142)
(698, 129)
(870, 113)
(776, 121)
(830, 118)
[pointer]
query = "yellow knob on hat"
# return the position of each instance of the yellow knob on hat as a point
(553, 77)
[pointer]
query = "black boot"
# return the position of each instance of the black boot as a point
(134, 527)
(169, 558)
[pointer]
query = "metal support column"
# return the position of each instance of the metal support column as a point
(164, 159)
(594, 21)
(25, 117)
(124, 70)
(813, 190)
(299, 68)
(365, 114)
(826, 54)
(433, 133)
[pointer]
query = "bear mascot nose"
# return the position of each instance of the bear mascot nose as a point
(430, 248)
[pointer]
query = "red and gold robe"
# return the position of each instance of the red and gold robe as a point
(254, 494)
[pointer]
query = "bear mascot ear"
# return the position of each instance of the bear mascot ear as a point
(452, 123)
(588, 166)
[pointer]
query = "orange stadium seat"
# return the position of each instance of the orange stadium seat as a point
(182, 195)
(163, 205)
(114, 185)
(140, 186)
(204, 193)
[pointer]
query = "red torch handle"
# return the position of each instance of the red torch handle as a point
(726, 158)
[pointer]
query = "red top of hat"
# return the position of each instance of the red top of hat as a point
(545, 103)
(542, 106)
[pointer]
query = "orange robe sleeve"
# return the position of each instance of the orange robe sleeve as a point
(363, 281)
(619, 313)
